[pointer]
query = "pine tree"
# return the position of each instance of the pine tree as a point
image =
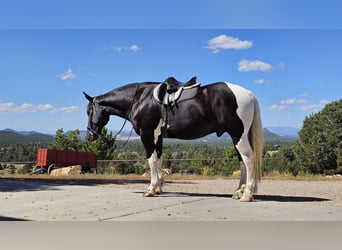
(319, 147)
(64, 141)
(104, 146)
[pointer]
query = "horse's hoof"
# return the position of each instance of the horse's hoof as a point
(246, 198)
(237, 195)
(148, 194)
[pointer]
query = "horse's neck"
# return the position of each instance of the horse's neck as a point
(120, 101)
(115, 104)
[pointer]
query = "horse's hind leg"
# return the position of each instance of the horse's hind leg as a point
(242, 184)
(239, 191)
(246, 152)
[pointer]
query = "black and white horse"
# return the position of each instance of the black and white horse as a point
(218, 107)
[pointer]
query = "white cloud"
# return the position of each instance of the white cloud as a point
(227, 42)
(46, 107)
(278, 107)
(4, 107)
(10, 107)
(259, 81)
(133, 48)
(66, 75)
(284, 104)
(314, 107)
(293, 101)
(300, 101)
(23, 108)
(69, 109)
(288, 101)
(256, 65)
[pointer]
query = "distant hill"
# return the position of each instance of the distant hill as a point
(289, 132)
(269, 136)
(212, 138)
(10, 135)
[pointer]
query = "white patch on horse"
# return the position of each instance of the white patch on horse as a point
(245, 111)
(157, 178)
(244, 99)
(158, 131)
(155, 163)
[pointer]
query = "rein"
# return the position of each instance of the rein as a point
(128, 114)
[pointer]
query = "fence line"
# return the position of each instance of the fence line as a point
(206, 166)
(17, 162)
(191, 159)
(138, 160)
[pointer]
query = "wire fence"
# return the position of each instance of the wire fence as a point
(202, 166)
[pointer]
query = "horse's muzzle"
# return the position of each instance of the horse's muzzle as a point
(91, 136)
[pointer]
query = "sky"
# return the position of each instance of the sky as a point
(47, 61)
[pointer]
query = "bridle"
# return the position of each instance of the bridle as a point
(92, 132)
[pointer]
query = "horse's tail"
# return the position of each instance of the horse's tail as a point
(256, 136)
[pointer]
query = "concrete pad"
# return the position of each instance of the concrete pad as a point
(55, 202)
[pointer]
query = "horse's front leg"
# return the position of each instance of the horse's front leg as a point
(157, 179)
(154, 150)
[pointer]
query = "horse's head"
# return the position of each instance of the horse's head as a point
(98, 117)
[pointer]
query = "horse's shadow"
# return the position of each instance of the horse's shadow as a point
(257, 198)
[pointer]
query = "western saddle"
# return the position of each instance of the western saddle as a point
(170, 92)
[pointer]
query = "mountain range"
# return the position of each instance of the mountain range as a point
(10, 135)
(270, 133)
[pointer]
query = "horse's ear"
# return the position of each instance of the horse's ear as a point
(89, 98)
(193, 80)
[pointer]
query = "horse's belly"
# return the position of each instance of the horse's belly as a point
(190, 130)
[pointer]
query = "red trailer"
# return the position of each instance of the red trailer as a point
(48, 159)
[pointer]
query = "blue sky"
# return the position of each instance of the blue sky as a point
(46, 62)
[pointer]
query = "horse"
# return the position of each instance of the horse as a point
(213, 108)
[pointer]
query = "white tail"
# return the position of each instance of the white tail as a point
(257, 140)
